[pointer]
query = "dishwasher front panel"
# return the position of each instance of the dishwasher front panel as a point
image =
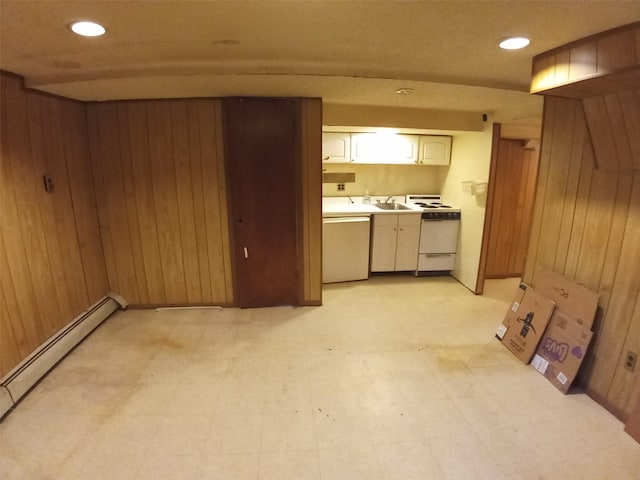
(345, 249)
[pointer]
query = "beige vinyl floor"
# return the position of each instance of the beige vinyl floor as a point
(393, 378)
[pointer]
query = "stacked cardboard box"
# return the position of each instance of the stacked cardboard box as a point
(565, 318)
(525, 322)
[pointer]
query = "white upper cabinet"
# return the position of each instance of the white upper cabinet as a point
(336, 147)
(384, 148)
(434, 150)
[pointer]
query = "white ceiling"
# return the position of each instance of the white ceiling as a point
(347, 52)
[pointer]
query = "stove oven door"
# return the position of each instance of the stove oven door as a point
(438, 244)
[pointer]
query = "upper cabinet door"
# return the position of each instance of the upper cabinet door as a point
(434, 150)
(336, 147)
(384, 149)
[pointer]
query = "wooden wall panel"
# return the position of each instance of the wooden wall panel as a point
(557, 182)
(586, 226)
(215, 204)
(128, 185)
(614, 122)
(21, 212)
(107, 172)
(9, 341)
(51, 261)
(621, 305)
(548, 125)
(144, 219)
(579, 220)
(199, 195)
(630, 102)
(312, 200)
(184, 189)
(603, 63)
(163, 175)
(159, 181)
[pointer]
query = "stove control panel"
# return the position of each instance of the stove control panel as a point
(440, 215)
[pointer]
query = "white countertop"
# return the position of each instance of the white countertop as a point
(343, 207)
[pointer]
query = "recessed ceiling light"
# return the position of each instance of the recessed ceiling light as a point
(405, 91)
(87, 29)
(514, 43)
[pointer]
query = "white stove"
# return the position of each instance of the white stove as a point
(430, 203)
(438, 233)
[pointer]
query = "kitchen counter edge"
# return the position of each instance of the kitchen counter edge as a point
(359, 210)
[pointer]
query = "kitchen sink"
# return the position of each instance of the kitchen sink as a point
(391, 206)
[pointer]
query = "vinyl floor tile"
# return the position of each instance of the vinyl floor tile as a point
(392, 378)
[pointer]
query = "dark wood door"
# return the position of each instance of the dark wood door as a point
(512, 206)
(262, 160)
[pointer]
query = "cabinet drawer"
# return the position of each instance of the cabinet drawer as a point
(433, 262)
(385, 219)
(409, 220)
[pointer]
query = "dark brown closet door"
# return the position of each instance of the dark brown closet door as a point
(262, 158)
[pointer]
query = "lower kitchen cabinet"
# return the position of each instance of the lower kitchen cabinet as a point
(395, 242)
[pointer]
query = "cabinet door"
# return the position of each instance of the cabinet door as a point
(407, 242)
(364, 148)
(434, 150)
(404, 149)
(383, 246)
(382, 148)
(336, 147)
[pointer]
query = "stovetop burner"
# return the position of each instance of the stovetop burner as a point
(429, 203)
(432, 205)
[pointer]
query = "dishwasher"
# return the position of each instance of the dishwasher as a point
(345, 249)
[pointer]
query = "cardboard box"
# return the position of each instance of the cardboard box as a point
(569, 297)
(561, 350)
(525, 322)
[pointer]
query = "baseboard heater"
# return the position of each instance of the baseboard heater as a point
(28, 372)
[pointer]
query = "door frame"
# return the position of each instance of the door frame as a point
(488, 217)
(492, 192)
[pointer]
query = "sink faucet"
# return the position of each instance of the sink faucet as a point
(389, 198)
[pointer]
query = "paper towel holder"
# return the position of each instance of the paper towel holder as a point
(471, 187)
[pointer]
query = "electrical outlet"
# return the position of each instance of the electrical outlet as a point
(341, 187)
(630, 362)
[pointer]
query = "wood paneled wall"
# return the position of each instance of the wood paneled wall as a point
(139, 208)
(160, 184)
(51, 262)
(614, 125)
(586, 226)
(312, 201)
(607, 62)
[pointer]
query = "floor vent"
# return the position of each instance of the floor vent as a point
(24, 376)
